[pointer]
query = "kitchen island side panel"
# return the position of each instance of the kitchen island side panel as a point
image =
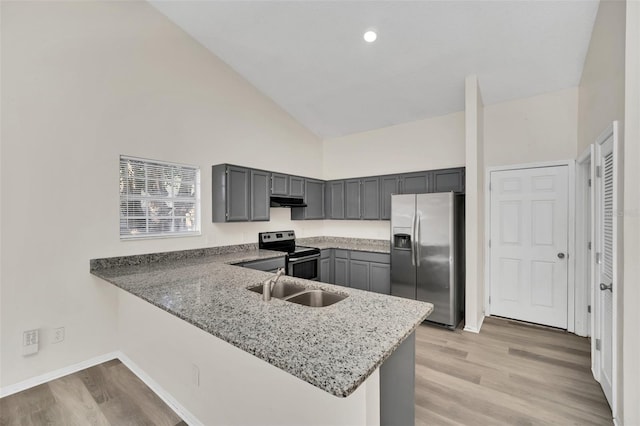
(221, 384)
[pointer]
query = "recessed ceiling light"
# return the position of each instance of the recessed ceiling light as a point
(370, 36)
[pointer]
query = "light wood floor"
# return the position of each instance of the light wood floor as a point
(511, 373)
(107, 394)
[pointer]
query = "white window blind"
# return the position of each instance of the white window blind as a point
(158, 199)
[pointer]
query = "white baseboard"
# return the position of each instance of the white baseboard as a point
(474, 329)
(160, 391)
(152, 384)
(52, 375)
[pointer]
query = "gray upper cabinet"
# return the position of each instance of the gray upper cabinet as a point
(279, 184)
(370, 198)
(448, 180)
(314, 198)
(230, 193)
(352, 198)
(388, 187)
(260, 203)
(287, 186)
(296, 186)
(334, 201)
(415, 183)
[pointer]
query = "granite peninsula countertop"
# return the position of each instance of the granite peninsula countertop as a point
(357, 244)
(334, 348)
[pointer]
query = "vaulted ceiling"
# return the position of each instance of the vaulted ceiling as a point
(311, 59)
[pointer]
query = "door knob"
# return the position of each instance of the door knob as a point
(560, 255)
(606, 287)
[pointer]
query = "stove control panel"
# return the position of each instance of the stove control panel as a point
(273, 237)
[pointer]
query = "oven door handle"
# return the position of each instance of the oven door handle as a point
(302, 259)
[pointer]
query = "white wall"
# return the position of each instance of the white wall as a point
(433, 143)
(474, 205)
(536, 129)
(602, 83)
(631, 314)
(84, 82)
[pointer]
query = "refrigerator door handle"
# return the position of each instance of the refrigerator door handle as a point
(418, 219)
(413, 240)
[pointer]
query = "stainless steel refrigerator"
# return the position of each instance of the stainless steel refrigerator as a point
(427, 252)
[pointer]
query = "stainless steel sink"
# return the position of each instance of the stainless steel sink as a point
(281, 290)
(316, 298)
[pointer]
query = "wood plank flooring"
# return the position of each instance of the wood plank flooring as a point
(511, 373)
(106, 394)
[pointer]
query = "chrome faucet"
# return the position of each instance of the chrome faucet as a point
(267, 286)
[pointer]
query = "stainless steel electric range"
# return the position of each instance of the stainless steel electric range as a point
(301, 261)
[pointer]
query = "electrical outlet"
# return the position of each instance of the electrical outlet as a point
(58, 335)
(195, 375)
(30, 340)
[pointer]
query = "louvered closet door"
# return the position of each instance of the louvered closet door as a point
(529, 238)
(605, 246)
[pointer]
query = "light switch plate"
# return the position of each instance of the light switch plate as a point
(30, 339)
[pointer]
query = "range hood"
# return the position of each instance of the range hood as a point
(287, 202)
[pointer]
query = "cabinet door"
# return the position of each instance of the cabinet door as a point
(359, 274)
(370, 195)
(260, 203)
(296, 186)
(448, 180)
(341, 272)
(388, 186)
(380, 278)
(325, 270)
(314, 197)
(336, 199)
(279, 184)
(352, 198)
(416, 183)
(237, 201)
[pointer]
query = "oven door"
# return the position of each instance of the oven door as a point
(305, 267)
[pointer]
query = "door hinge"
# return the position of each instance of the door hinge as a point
(589, 182)
(489, 299)
(589, 245)
(598, 344)
(489, 243)
(598, 258)
(588, 309)
(598, 171)
(489, 186)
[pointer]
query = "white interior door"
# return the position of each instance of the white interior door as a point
(528, 244)
(606, 241)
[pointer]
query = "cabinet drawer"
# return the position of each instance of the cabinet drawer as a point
(342, 254)
(368, 256)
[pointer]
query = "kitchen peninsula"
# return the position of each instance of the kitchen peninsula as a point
(228, 357)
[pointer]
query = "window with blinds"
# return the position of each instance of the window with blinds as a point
(158, 199)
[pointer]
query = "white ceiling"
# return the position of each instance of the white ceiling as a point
(310, 58)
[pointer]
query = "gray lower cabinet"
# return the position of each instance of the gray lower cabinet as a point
(326, 266)
(388, 187)
(260, 203)
(314, 198)
(341, 272)
(334, 202)
(230, 193)
(380, 278)
(359, 274)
